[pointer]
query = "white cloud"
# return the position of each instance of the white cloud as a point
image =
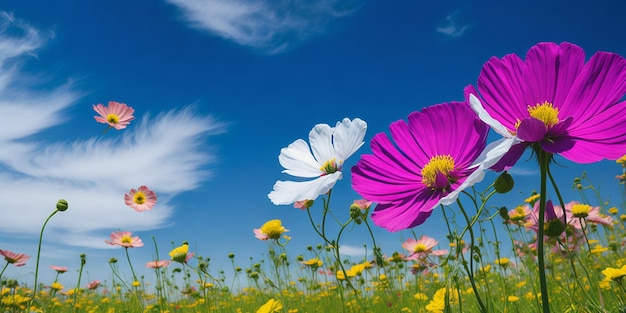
(168, 152)
(352, 251)
(272, 26)
(452, 27)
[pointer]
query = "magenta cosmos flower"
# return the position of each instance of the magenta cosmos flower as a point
(430, 163)
(556, 102)
(124, 239)
(116, 115)
(142, 199)
(17, 259)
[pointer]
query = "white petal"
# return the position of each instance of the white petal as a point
(348, 137)
(288, 192)
(321, 139)
(485, 117)
(488, 158)
(298, 160)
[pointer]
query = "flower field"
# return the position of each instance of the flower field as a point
(548, 253)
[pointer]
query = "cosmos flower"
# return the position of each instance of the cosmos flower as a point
(17, 259)
(142, 199)
(579, 214)
(181, 253)
(272, 229)
(556, 102)
(59, 269)
(422, 247)
(434, 157)
(330, 147)
(116, 115)
(158, 264)
(124, 239)
(93, 285)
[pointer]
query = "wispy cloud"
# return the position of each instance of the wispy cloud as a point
(272, 26)
(452, 27)
(168, 152)
(352, 251)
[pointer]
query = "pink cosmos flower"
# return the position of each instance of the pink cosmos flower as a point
(142, 199)
(124, 239)
(17, 259)
(158, 264)
(93, 285)
(431, 159)
(556, 102)
(422, 248)
(117, 115)
(59, 269)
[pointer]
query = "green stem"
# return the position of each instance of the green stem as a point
(38, 256)
(131, 264)
(83, 260)
(470, 271)
(3, 269)
(544, 159)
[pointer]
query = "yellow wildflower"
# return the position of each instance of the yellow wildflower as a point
(271, 306)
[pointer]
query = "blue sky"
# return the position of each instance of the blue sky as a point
(218, 88)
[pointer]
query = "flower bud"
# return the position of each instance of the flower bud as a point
(504, 183)
(62, 205)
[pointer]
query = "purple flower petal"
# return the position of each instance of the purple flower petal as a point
(531, 130)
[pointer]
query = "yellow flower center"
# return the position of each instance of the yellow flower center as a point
(139, 197)
(545, 112)
(420, 247)
(438, 165)
(126, 239)
(273, 229)
(518, 214)
(113, 118)
(329, 167)
(581, 210)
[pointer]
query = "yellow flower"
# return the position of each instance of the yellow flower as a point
(56, 286)
(272, 229)
(513, 298)
(504, 262)
(622, 161)
(271, 306)
(136, 283)
(615, 274)
(315, 263)
(179, 254)
(532, 198)
(420, 296)
(613, 210)
(438, 303)
(598, 249)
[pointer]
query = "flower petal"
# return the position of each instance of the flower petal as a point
(348, 137)
(298, 160)
(288, 192)
(321, 140)
(531, 130)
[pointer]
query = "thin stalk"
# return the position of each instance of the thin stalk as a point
(38, 256)
(544, 159)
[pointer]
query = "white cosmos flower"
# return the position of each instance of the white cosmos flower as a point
(330, 147)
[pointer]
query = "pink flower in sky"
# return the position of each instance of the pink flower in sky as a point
(142, 199)
(158, 264)
(124, 239)
(421, 248)
(17, 259)
(117, 115)
(93, 285)
(556, 102)
(431, 159)
(59, 269)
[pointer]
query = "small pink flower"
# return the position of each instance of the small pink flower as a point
(93, 285)
(158, 264)
(362, 204)
(59, 269)
(117, 115)
(17, 259)
(303, 204)
(142, 199)
(124, 239)
(421, 248)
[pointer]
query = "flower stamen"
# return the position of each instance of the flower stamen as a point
(545, 112)
(113, 118)
(329, 167)
(437, 173)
